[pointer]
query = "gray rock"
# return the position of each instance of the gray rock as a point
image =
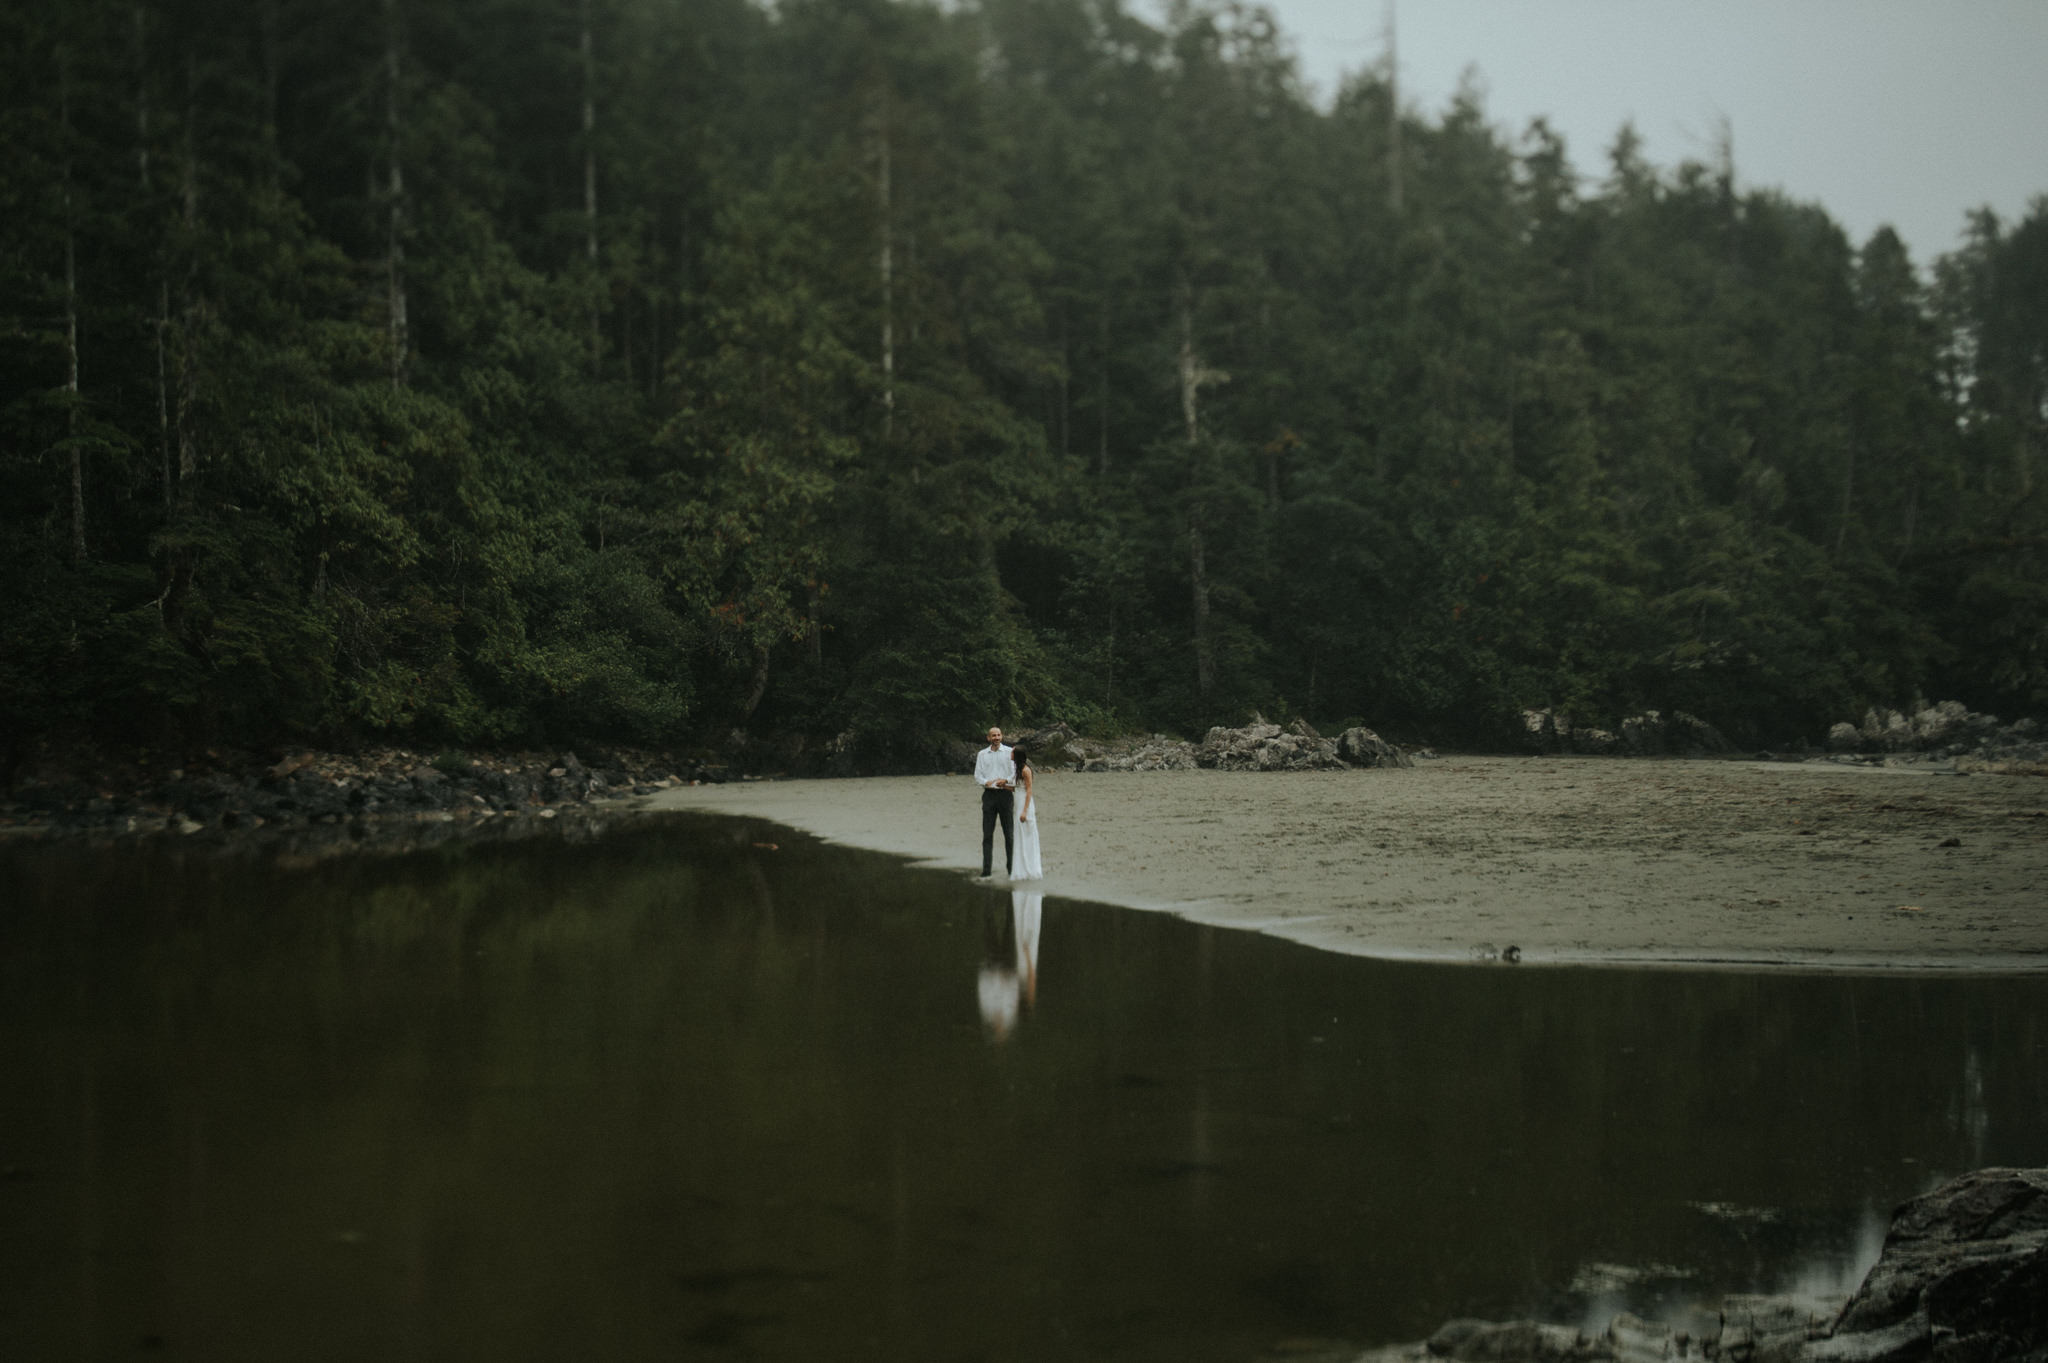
(1147, 752)
(1361, 747)
(1943, 732)
(1595, 742)
(1262, 746)
(1544, 731)
(1649, 734)
(1963, 1276)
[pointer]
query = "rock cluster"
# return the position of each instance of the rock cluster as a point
(1147, 752)
(1653, 733)
(1946, 731)
(325, 788)
(1259, 746)
(1963, 1278)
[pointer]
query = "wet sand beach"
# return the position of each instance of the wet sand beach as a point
(1586, 860)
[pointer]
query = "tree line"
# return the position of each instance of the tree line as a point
(509, 371)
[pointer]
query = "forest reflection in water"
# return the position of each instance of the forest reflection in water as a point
(675, 1092)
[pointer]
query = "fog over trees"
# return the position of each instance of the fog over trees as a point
(513, 371)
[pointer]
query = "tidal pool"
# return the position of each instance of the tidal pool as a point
(673, 1093)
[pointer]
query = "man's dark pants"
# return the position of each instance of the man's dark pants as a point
(995, 804)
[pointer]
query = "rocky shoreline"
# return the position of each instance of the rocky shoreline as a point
(222, 791)
(1945, 732)
(1962, 1278)
(392, 793)
(1944, 736)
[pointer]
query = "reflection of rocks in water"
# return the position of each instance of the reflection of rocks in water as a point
(1962, 1278)
(1729, 1211)
(1593, 1280)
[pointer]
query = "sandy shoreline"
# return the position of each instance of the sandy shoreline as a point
(1586, 860)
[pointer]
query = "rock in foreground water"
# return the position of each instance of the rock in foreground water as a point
(1963, 1278)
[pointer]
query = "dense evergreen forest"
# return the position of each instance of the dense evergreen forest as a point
(512, 371)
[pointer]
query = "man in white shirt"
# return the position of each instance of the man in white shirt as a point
(997, 777)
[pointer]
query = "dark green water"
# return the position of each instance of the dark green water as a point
(667, 1095)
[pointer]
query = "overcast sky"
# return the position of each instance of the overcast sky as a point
(1901, 111)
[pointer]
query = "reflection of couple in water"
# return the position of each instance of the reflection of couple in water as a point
(1001, 772)
(1009, 971)
(1009, 974)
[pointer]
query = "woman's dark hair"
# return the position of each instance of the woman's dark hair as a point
(1020, 756)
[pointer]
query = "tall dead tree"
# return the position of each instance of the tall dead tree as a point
(70, 316)
(188, 321)
(1194, 376)
(587, 48)
(886, 259)
(273, 70)
(163, 283)
(1102, 389)
(142, 97)
(1393, 114)
(163, 397)
(394, 232)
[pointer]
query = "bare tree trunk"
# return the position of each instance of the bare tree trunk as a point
(814, 626)
(394, 232)
(1102, 392)
(1192, 378)
(1189, 367)
(141, 98)
(163, 400)
(1109, 658)
(272, 67)
(1198, 573)
(1066, 364)
(1848, 494)
(1393, 114)
(71, 320)
(188, 376)
(163, 285)
(886, 261)
(590, 184)
(760, 684)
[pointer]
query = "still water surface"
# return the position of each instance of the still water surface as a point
(670, 1094)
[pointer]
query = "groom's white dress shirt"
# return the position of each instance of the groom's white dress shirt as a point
(994, 766)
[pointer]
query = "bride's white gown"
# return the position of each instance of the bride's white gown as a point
(1028, 866)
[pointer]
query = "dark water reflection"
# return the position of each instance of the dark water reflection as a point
(673, 1095)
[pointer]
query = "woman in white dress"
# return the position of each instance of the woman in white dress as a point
(1027, 865)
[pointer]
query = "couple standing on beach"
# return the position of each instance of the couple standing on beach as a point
(1001, 772)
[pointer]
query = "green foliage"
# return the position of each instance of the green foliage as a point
(856, 405)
